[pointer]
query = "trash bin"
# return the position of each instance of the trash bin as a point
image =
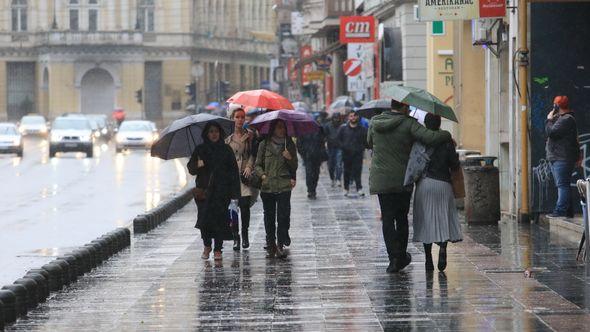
(463, 154)
(482, 190)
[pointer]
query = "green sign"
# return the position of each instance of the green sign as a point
(438, 28)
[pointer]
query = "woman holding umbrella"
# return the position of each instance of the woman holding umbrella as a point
(276, 163)
(217, 183)
(242, 143)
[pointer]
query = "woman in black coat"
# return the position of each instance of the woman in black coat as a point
(217, 183)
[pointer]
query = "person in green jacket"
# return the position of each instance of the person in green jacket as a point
(391, 136)
(276, 163)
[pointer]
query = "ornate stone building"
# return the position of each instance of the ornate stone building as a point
(92, 56)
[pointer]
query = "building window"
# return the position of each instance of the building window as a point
(93, 15)
(74, 15)
(19, 15)
(438, 28)
(145, 16)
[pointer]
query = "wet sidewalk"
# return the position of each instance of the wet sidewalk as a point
(333, 279)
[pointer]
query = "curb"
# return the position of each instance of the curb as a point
(37, 284)
(151, 219)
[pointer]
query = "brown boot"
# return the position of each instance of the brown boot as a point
(217, 255)
(206, 253)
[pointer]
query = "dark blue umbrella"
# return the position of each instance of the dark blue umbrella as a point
(180, 138)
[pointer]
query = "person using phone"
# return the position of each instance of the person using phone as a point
(563, 151)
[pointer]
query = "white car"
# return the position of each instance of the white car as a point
(69, 134)
(10, 139)
(136, 134)
(33, 125)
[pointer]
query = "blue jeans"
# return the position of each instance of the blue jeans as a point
(562, 173)
(335, 163)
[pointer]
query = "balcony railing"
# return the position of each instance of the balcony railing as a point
(336, 8)
(76, 38)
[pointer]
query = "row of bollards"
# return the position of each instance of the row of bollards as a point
(145, 222)
(37, 284)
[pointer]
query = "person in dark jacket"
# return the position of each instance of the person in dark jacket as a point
(353, 140)
(276, 163)
(334, 151)
(563, 151)
(312, 148)
(435, 215)
(217, 183)
(391, 136)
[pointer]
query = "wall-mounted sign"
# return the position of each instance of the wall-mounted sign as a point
(357, 29)
(315, 75)
(444, 10)
(359, 67)
(306, 52)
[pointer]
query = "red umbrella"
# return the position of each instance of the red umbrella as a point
(297, 123)
(262, 99)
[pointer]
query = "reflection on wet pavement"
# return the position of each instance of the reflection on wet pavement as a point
(333, 279)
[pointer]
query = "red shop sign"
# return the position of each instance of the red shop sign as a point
(357, 29)
(492, 8)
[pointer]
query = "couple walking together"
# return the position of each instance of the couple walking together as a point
(223, 167)
(391, 136)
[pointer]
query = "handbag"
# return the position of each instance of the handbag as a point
(458, 182)
(255, 179)
(417, 163)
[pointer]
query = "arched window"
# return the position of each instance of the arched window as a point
(74, 12)
(146, 15)
(19, 15)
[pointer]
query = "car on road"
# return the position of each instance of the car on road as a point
(71, 134)
(10, 139)
(136, 134)
(105, 127)
(33, 124)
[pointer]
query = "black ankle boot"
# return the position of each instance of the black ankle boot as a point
(237, 243)
(442, 257)
(245, 241)
(429, 265)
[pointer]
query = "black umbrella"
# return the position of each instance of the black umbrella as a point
(181, 137)
(374, 107)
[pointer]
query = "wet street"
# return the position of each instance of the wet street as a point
(333, 279)
(50, 205)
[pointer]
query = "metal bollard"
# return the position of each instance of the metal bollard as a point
(55, 276)
(32, 291)
(42, 285)
(482, 190)
(8, 300)
(20, 292)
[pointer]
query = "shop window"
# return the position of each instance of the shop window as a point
(391, 55)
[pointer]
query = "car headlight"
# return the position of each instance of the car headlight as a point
(55, 137)
(97, 134)
(21, 130)
(120, 139)
(16, 141)
(104, 131)
(85, 138)
(43, 130)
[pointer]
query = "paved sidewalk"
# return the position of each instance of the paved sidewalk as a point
(333, 279)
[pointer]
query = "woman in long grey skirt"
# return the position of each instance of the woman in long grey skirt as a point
(435, 214)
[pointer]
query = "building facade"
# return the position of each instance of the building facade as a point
(93, 56)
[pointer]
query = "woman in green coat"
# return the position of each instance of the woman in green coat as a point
(276, 163)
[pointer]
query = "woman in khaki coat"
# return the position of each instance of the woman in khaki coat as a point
(242, 143)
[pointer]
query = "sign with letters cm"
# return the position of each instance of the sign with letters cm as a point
(445, 10)
(357, 29)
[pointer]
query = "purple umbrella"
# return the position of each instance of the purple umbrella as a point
(297, 123)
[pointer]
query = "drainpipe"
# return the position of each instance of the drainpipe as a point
(523, 63)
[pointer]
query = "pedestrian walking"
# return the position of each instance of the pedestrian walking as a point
(353, 140)
(391, 135)
(334, 151)
(217, 183)
(435, 217)
(276, 163)
(312, 148)
(563, 151)
(242, 143)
